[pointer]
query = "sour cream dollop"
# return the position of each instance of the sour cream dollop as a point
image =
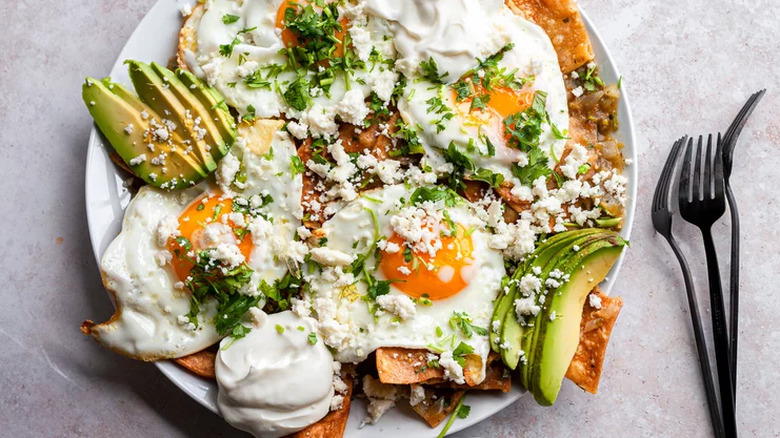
(452, 32)
(274, 381)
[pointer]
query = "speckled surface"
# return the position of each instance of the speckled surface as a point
(688, 66)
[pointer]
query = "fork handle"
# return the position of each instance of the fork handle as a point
(701, 343)
(733, 283)
(720, 335)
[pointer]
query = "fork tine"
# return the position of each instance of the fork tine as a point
(685, 174)
(719, 178)
(740, 120)
(707, 182)
(696, 183)
(661, 197)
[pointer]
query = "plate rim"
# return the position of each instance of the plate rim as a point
(177, 376)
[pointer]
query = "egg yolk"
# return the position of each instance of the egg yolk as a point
(290, 39)
(438, 277)
(503, 102)
(205, 211)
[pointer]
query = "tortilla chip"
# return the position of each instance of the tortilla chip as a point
(188, 36)
(259, 134)
(200, 363)
(562, 22)
(497, 377)
(596, 326)
(333, 424)
(404, 366)
(438, 404)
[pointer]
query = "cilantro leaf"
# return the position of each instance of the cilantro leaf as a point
(430, 71)
(488, 176)
(298, 93)
(437, 193)
(536, 167)
(230, 18)
(462, 321)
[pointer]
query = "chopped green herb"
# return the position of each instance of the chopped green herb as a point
(230, 18)
(279, 329)
(312, 338)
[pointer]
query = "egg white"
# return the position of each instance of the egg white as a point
(533, 55)
(260, 49)
(149, 304)
(345, 321)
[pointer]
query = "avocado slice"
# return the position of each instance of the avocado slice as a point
(124, 121)
(158, 95)
(529, 340)
(211, 99)
(221, 135)
(539, 257)
(557, 340)
(511, 331)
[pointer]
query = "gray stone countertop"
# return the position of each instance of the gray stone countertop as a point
(688, 66)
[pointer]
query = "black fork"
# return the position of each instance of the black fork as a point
(702, 202)
(662, 221)
(729, 143)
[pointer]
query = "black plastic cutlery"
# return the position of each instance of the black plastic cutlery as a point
(729, 143)
(662, 221)
(702, 202)
(703, 191)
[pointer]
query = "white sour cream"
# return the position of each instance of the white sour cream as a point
(272, 384)
(452, 32)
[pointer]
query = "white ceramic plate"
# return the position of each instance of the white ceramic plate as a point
(155, 39)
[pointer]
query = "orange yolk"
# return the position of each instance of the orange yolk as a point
(504, 102)
(446, 276)
(289, 39)
(193, 222)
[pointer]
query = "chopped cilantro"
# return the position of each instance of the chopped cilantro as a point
(430, 71)
(230, 18)
(250, 114)
(312, 338)
(437, 193)
(536, 167)
(296, 165)
(462, 321)
(488, 176)
(227, 49)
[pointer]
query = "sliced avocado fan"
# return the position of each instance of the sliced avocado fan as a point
(541, 346)
(171, 135)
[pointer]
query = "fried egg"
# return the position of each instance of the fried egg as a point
(248, 215)
(249, 76)
(444, 117)
(394, 273)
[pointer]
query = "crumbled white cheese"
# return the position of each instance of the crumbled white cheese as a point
(526, 306)
(416, 394)
(399, 305)
(330, 257)
(452, 369)
(167, 228)
(227, 171)
(298, 130)
(137, 160)
(594, 301)
(352, 107)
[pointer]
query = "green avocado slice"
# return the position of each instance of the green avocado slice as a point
(211, 99)
(124, 121)
(565, 253)
(513, 332)
(219, 144)
(157, 94)
(539, 257)
(558, 338)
